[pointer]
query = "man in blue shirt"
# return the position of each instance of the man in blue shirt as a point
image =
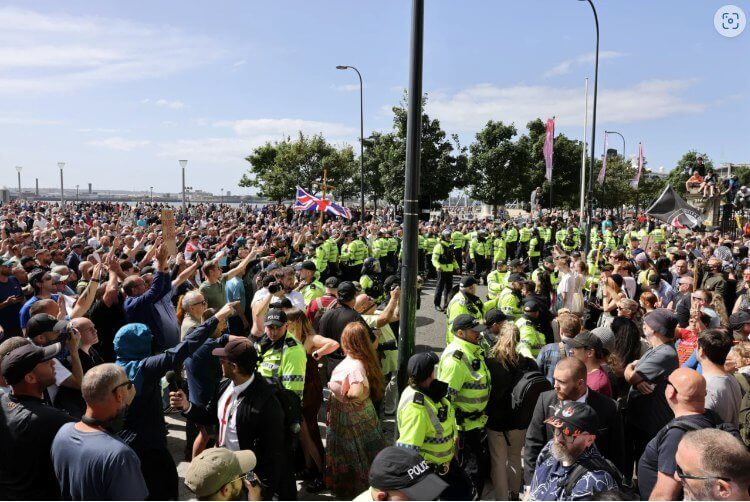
(570, 466)
(44, 288)
(91, 462)
(140, 304)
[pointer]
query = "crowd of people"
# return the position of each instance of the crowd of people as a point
(621, 373)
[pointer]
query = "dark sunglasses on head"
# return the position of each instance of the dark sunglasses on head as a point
(683, 476)
(128, 383)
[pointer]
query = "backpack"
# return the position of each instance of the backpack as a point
(524, 395)
(594, 464)
(687, 427)
(291, 405)
(744, 408)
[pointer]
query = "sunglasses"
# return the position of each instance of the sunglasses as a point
(128, 383)
(204, 302)
(683, 476)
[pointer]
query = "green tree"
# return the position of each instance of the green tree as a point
(494, 160)
(682, 171)
(277, 168)
(442, 163)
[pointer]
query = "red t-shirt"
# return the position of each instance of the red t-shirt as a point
(599, 381)
(688, 342)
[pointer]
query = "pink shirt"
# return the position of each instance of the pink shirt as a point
(348, 372)
(599, 381)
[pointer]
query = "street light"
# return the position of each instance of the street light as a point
(361, 141)
(623, 141)
(61, 165)
(18, 168)
(183, 163)
(587, 248)
(152, 194)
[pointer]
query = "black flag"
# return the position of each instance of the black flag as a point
(671, 209)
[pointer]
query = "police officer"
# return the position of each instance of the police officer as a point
(332, 244)
(282, 356)
(391, 252)
(511, 239)
(370, 280)
(463, 368)
(531, 338)
(465, 301)
(308, 286)
(496, 279)
(357, 253)
(509, 301)
(458, 240)
(321, 257)
(535, 249)
(429, 245)
(498, 246)
(480, 250)
(426, 422)
(444, 262)
(524, 236)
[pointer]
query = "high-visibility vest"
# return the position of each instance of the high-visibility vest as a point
(463, 368)
(286, 363)
(426, 426)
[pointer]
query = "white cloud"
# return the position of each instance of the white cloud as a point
(567, 65)
(239, 63)
(174, 105)
(469, 109)
(347, 87)
(119, 144)
(249, 134)
(44, 53)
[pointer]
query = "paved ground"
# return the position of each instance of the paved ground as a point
(430, 336)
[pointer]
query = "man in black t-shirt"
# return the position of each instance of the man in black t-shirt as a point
(686, 394)
(28, 425)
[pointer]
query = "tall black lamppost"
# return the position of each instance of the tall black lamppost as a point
(361, 141)
(623, 141)
(587, 248)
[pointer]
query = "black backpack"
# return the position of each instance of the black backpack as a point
(524, 395)
(594, 464)
(291, 404)
(686, 426)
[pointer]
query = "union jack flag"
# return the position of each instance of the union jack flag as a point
(309, 202)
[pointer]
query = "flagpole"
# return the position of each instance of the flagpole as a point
(321, 209)
(583, 152)
(553, 166)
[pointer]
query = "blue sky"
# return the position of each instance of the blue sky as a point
(121, 90)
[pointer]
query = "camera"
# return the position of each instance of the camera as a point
(274, 288)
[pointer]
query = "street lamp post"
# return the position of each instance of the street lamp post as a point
(361, 141)
(623, 141)
(152, 194)
(61, 165)
(587, 248)
(18, 169)
(183, 163)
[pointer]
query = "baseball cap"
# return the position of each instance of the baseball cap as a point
(346, 291)
(468, 281)
(421, 366)
(21, 361)
(607, 337)
(281, 303)
(405, 470)
(515, 263)
(36, 275)
(585, 340)
(215, 467)
(515, 278)
(237, 350)
(274, 317)
(549, 259)
(42, 323)
(738, 319)
(308, 265)
(494, 316)
(574, 418)
(531, 306)
(467, 322)
(332, 282)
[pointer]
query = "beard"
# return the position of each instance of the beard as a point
(562, 454)
(703, 493)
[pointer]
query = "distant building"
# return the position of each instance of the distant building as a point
(726, 169)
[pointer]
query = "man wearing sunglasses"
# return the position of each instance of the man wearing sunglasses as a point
(712, 464)
(91, 462)
(570, 467)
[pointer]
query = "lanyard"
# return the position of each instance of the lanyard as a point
(225, 419)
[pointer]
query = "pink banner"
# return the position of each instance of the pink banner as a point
(549, 141)
(634, 182)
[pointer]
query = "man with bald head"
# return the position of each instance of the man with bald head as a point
(686, 395)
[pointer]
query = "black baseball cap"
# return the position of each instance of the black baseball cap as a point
(421, 366)
(515, 278)
(274, 317)
(405, 470)
(515, 263)
(281, 303)
(468, 281)
(531, 306)
(494, 316)
(467, 322)
(738, 319)
(238, 350)
(346, 291)
(574, 419)
(42, 323)
(309, 265)
(585, 340)
(332, 282)
(21, 361)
